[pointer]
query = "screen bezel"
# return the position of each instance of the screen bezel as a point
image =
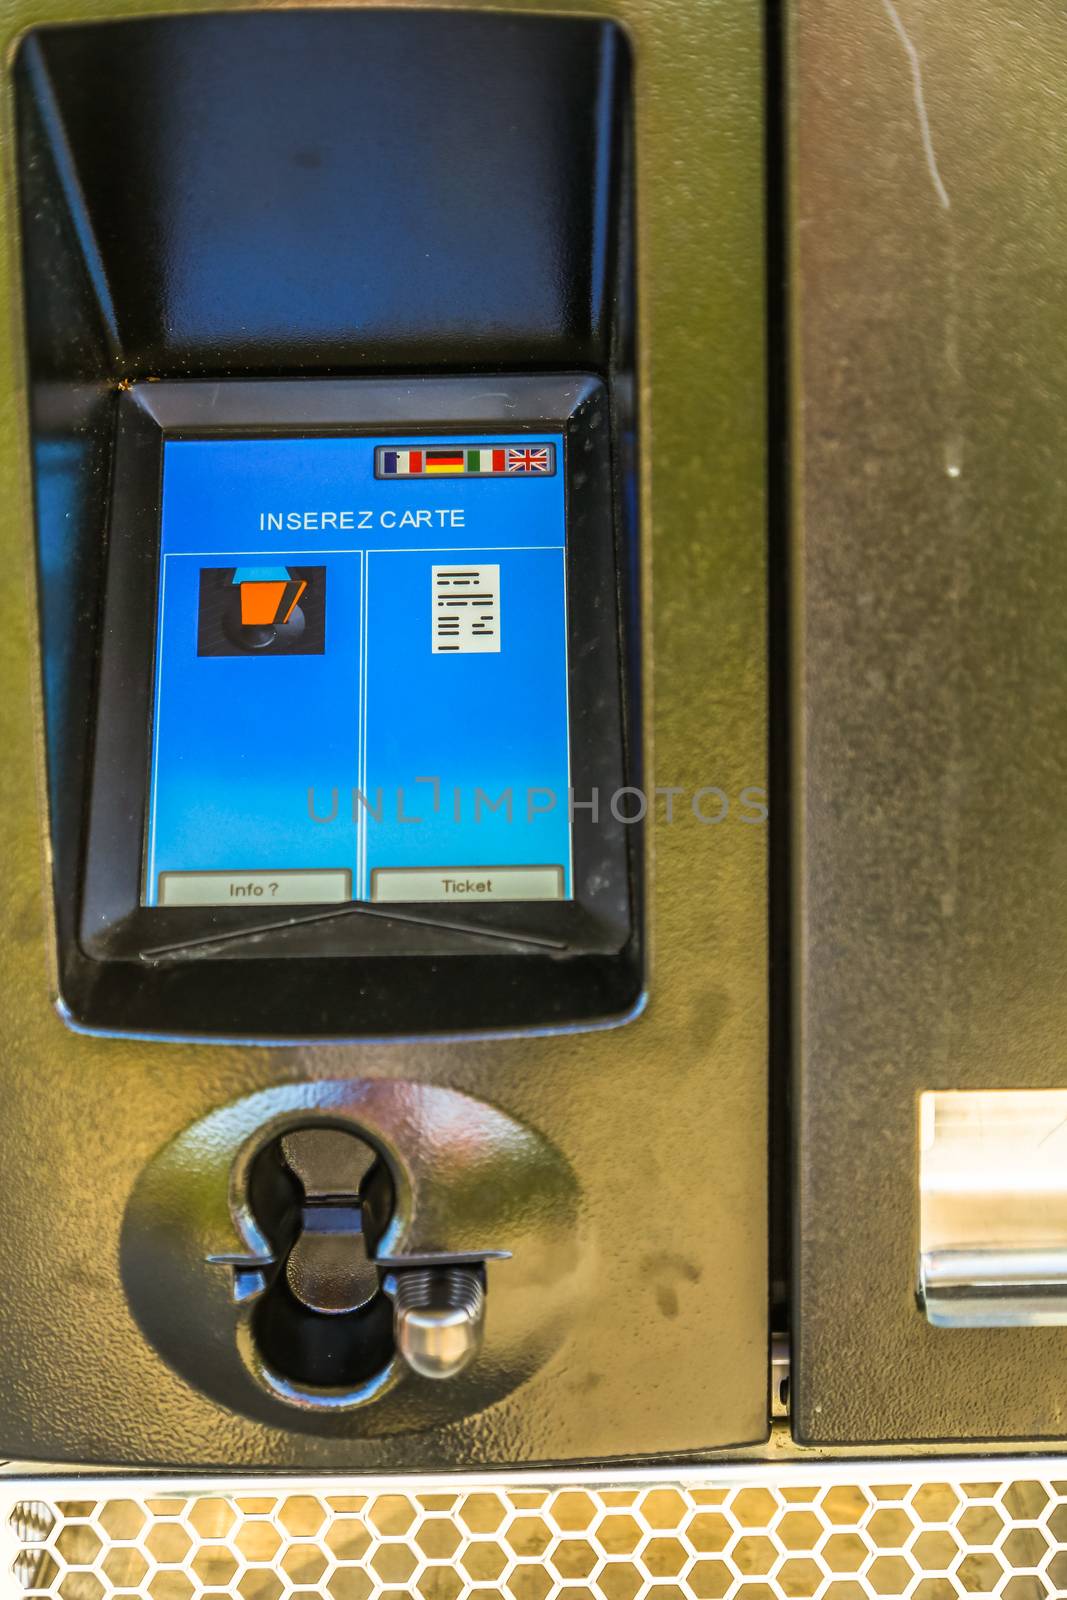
(587, 945)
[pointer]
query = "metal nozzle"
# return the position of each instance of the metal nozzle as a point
(438, 1317)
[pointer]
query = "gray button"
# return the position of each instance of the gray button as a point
(463, 885)
(255, 888)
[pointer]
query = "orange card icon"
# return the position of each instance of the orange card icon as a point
(266, 601)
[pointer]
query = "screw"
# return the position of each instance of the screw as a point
(438, 1317)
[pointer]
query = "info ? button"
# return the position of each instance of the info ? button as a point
(287, 888)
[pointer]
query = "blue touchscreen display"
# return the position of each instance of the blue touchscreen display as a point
(361, 672)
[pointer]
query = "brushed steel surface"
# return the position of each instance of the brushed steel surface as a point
(993, 1208)
(929, 240)
(671, 1107)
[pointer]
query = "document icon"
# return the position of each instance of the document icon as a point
(465, 603)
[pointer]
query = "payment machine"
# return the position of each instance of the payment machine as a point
(531, 651)
(390, 1012)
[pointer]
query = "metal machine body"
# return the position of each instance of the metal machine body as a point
(624, 1169)
(603, 1191)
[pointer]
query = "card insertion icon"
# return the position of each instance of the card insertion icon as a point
(262, 610)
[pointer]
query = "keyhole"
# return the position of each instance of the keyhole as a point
(323, 1196)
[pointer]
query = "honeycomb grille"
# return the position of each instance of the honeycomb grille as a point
(760, 1536)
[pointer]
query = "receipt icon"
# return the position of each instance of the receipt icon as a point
(466, 609)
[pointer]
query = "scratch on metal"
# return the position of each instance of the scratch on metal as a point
(920, 101)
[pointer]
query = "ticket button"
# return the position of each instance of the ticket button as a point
(288, 888)
(465, 885)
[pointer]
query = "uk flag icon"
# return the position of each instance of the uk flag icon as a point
(530, 458)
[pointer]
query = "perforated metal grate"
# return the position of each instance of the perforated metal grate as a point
(756, 1537)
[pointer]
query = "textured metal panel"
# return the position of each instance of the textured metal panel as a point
(929, 226)
(670, 1109)
(828, 1535)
